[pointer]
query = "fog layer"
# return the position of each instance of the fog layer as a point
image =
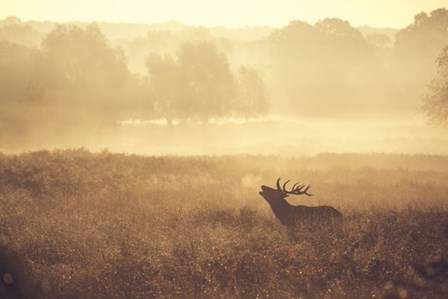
(171, 88)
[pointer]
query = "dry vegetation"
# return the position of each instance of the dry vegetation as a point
(74, 224)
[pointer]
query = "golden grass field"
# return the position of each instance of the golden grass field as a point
(76, 224)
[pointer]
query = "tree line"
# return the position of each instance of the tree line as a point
(197, 82)
(333, 64)
(77, 80)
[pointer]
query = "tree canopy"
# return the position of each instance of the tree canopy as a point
(198, 83)
(21, 88)
(211, 85)
(168, 87)
(252, 94)
(90, 75)
(326, 62)
(435, 103)
(424, 38)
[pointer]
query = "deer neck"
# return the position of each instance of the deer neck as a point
(280, 207)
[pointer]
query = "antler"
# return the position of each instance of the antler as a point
(297, 189)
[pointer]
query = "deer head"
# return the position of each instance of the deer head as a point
(271, 194)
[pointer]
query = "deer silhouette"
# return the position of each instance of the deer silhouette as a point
(290, 215)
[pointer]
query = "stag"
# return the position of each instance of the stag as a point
(290, 215)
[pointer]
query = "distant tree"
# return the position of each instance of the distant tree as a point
(20, 34)
(380, 41)
(252, 96)
(339, 29)
(211, 85)
(168, 86)
(339, 39)
(310, 44)
(328, 63)
(416, 50)
(78, 52)
(91, 78)
(198, 34)
(23, 105)
(162, 41)
(424, 38)
(292, 40)
(11, 20)
(435, 103)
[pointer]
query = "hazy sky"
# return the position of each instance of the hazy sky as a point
(231, 13)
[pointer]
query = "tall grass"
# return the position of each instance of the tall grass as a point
(85, 225)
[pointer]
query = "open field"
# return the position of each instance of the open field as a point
(75, 224)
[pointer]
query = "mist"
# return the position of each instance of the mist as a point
(307, 160)
(171, 88)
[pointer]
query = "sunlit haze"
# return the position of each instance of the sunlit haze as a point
(289, 77)
(231, 13)
(223, 149)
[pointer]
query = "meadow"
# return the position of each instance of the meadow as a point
(77, 224)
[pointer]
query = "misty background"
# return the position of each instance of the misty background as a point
(172, 88)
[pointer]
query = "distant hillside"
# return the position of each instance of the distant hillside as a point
(242, 34)
(130, 31)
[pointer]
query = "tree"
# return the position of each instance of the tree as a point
(252, 95)
(339, 29)
(379, 41)
(425, 38)
(435, 103)
(14, 31)
(329, 63)
(210, 82)
(91, 77)
(22, 91)
(168, 86)
(417, 48)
